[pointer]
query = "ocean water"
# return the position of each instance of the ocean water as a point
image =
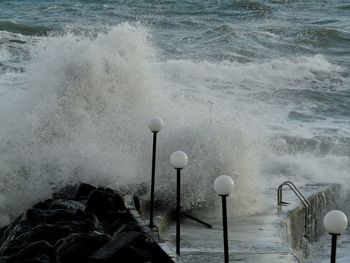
(258, 90)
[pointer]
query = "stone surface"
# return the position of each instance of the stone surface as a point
(79, 224)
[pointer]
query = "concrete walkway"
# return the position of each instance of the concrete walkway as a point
(252, 239)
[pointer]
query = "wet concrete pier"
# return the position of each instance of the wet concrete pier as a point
(275, 236)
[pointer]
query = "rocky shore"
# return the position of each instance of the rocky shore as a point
(79, 224)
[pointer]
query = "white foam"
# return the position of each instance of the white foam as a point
(84, 110)
(4, 55)
(83, 116)
(275, 74)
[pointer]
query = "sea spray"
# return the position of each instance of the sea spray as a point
(83, 111)
(82, 116)
(214, 148)
(79, 117)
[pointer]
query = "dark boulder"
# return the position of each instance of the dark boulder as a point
(32, 253)
(48, 232)
(70, 205)
(88, 225)
(84, 190)
(106, 204)
(83, 225)
(120, 246)
(49, 216)
(77, 247)
(44, 205)
(13, 246)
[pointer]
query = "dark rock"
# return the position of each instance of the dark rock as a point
(83, 226)
(12, 237)
(7, 232)
(69, 205)
(106, 204)
(66, 192)
(51, 216)
(39, 258)
(48, 232)
(84, 190)
(13, 246)
(32, 252)
(120, 243)
(119, 227)
(77, 247)
(44, 204)
(132, 254)
(91, 225)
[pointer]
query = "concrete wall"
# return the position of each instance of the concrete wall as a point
(292, 226)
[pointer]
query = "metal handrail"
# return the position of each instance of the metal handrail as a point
(304, 201)
(295, 189)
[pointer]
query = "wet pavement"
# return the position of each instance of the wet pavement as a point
(252, 239)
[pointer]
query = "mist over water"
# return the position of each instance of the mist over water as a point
(243, 93)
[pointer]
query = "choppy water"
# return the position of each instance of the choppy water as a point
(255, 89)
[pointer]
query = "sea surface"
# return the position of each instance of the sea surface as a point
(258, 90)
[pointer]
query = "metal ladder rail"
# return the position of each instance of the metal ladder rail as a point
(301, 197)
(295, 189)
(304, 201)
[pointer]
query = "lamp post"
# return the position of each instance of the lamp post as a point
(155, 126)
(223, 185)
(335, 223)
(179, 160)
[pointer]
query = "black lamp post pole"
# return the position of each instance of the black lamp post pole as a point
(224, 223)
(178, 185)
(334, 247)
(153, 178)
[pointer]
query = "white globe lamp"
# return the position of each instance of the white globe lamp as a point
(335, 222)
(223, 185)
(155, 125)
(179, 159)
